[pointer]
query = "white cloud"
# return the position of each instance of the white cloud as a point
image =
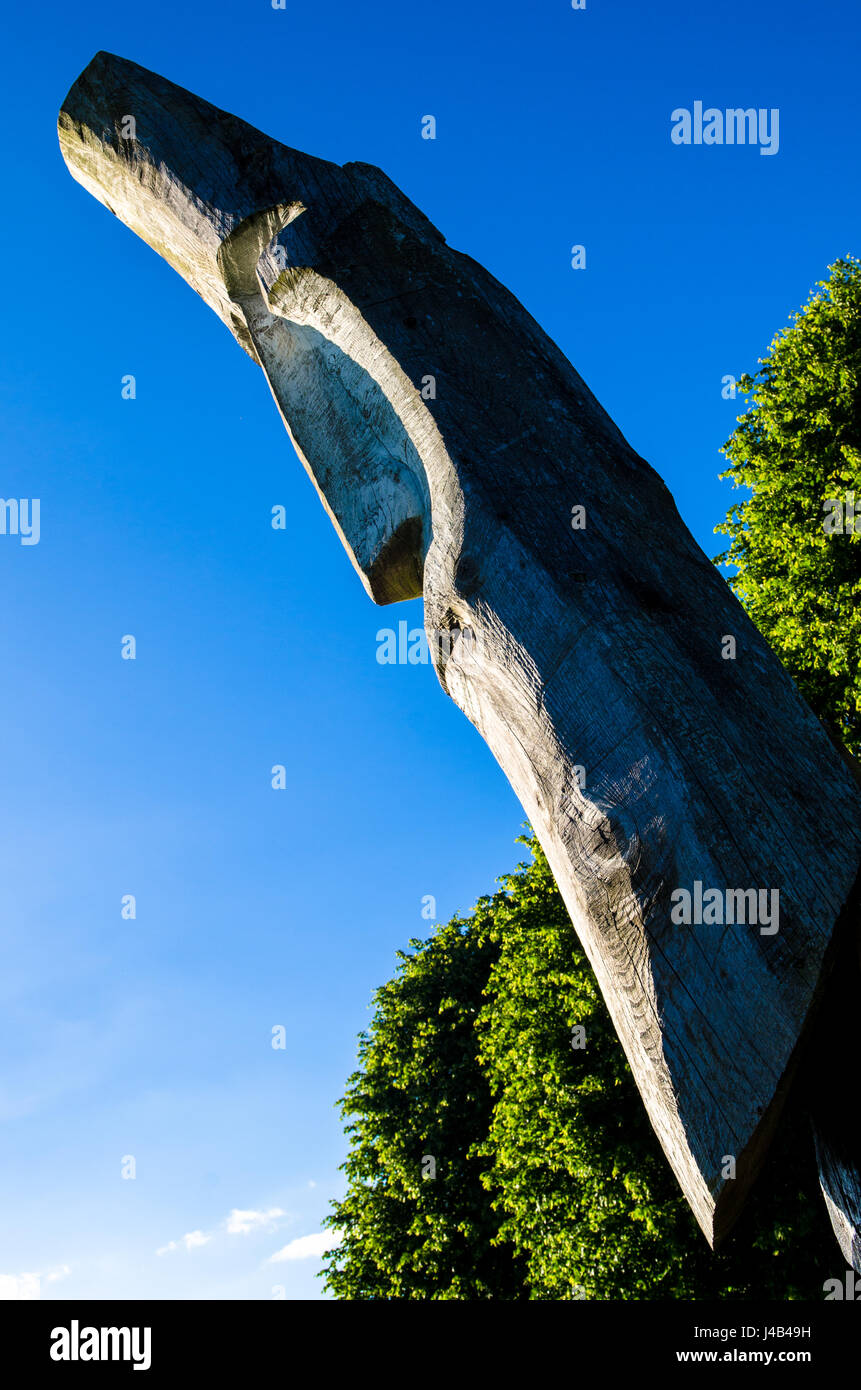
(191, 1241)
(306, 1247)
(19, 1286)
(239, 1223)
(28, 1286)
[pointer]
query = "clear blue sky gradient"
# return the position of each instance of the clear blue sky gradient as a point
(256, 647)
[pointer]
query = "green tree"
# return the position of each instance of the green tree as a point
(799, 445)
(549, 1181)
(416, 1221)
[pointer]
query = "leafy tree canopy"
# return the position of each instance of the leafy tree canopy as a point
(798, 448)
(546, 1179)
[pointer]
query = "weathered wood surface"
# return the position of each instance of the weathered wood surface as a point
(832, 1094)
(598, 648)
(837, 1148)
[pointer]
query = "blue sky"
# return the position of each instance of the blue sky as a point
(258, 908)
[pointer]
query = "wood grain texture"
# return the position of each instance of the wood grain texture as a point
(599, 648)
(830, 1092)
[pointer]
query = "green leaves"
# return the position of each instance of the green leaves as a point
(798, 445)
(416, 1220)
(549, 1183)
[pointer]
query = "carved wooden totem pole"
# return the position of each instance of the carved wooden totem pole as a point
(704, 832)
